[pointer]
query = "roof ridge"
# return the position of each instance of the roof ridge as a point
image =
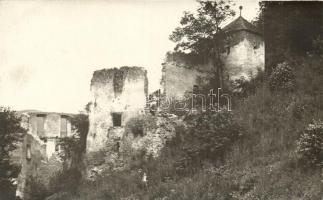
(241, 23)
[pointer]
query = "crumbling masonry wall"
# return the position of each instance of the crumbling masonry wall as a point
(38, 152)
(118, 95)
(178, 79)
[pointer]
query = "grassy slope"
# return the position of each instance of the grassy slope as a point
(262, 165)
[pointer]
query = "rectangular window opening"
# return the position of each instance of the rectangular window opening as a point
(116, 119)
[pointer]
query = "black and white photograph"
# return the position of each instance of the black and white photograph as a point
(161, 100)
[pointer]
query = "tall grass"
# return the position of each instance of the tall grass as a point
(261, 164)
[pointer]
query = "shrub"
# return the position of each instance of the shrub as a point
(243, 87)
(37, 190)
(11, 133)
(206, 137)
(282, 77)
(310, 144)
(65, 180)
(138, 126)
(318, 45)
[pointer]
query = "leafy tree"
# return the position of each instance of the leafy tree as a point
(11, 133)
(74, 147)
(259, 20)
(205, 137)
(201, 33)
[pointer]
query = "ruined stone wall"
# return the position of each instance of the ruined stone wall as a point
(244, 56)
(38, 155)
(177, 79)
(51, 128)
(52, 124)
(33, 152)
(120, 91)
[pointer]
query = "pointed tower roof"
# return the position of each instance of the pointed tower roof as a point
(241, 24)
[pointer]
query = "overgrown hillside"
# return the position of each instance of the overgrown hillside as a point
(269, 147)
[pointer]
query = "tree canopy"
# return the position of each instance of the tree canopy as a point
(197, 32)
(11, 133)
(201, 34)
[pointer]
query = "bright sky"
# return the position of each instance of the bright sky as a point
(49, 49)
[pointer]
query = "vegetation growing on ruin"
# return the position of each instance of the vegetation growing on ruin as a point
(201, 33)
(268, 147)
(72, 154)
(188, 60)
(104, 75)
(138, 126)
(11, 132)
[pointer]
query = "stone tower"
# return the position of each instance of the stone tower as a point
(118, 95)
(242, 56)
(244, 51)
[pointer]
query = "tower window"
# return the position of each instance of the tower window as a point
(116, 119)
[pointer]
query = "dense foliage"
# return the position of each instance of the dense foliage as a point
(207, 136)
(11, 133)
(248, 154)
(197, 33)
(242, 88)
(74, 147)
(310, 144)
(282, 77)
(259, 151)
(73, 150)
(139, 125)
(201, 34)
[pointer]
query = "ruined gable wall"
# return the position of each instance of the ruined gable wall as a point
(35, 166)
(37, 156)
(115, 90)
(52, 129)
(246, 54)
(52, 125)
